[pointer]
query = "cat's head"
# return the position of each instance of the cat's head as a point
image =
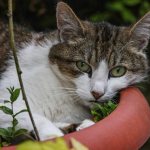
(99, 58)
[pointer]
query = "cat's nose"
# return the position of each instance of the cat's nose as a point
(96, 94)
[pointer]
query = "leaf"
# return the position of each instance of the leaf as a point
(77, 145)
(24, 110)
(20, 131)
(4, 132)
(10, 130)
(131, 2)
(115, 6)
(103, 110)
(128, 15)
(15, 94)
(6, 101)
(100, 111)
(94, 113)
(14, 122)
(29, 146)
(112, 105)
(6, 110)
(59, 144)
(10, 90)
(99, 16)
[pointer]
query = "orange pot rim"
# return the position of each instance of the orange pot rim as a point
(126, 128)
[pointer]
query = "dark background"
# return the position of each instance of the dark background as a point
(40, 16)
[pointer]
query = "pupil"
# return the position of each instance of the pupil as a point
(82, 64)
(118, 70)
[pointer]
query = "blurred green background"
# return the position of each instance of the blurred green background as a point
(40, 16)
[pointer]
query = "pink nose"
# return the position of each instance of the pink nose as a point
(96, 94)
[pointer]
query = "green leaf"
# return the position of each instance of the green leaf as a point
(10, 90)
(15, 122)
(145, 7)
(115, 6)
(29, 145)
(94, 113)
(128, 15)
(20, 131)
(59, 144)
(6, 110)
(99, 16)
(111, 105)
(4, 132)
(131, 2)
(15, 95)
(24, 110)
(6, 101)
(10, 130)
(100, 111)
(103, 110)
(97, 118)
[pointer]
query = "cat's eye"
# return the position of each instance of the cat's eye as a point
(118, 71)
(84, 67)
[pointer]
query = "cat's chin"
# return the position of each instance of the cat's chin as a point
(87, 103)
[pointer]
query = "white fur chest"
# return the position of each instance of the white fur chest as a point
(42, 86)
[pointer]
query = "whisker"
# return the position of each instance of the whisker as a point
(69, 94)
(64, 88)
(76, 99)
(82, 91)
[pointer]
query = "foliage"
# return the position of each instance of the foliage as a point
(40, 14)
(59, 144)
(127, 11)
(100, 111)
(8, 134)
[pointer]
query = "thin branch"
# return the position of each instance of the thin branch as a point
(18, 69)
(1, 144)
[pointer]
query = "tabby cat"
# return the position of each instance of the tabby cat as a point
(66, 70)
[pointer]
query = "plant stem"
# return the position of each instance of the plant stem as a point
(18, 69)
(13, 119)
(1, 142)
(12, 108)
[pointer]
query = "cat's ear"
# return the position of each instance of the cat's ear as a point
(140, 32)
(68, 24)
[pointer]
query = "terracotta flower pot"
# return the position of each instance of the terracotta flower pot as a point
(126, 128)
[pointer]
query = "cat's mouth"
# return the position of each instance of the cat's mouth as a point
(100, 100)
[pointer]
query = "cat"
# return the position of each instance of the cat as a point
(66, 70)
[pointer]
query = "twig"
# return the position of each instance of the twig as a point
(1, 142)
(18, 69)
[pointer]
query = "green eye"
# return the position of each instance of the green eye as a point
(118, 71)
(84, 67)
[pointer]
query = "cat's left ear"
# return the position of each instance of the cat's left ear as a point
(69, 25)
(140, 32)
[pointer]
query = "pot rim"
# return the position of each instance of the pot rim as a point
(126, 128)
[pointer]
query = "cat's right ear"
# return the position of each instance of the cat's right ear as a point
(69, 25)
(140, 32)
